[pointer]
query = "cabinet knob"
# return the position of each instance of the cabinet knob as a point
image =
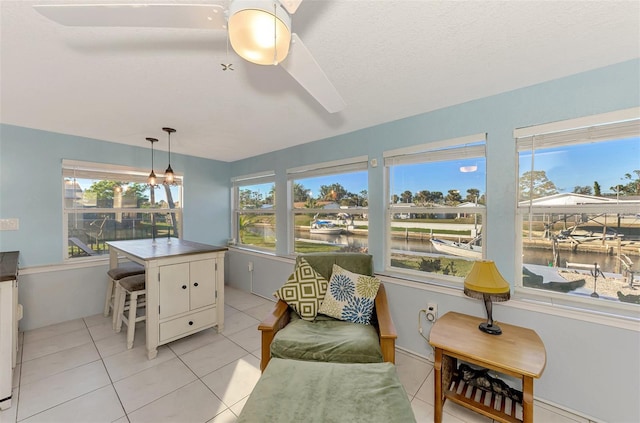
(184, 286)
(195, 284)
(190, 322)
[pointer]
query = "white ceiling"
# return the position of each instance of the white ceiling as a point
(389, 59)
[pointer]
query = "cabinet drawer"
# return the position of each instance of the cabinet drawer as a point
(187, 324)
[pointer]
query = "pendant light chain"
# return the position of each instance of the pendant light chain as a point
(228, 65)
(275, 35)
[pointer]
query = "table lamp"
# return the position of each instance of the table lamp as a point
(484, 282)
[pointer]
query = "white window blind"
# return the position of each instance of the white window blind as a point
(254, 179)
(594, 133)
(453, 153)
(467, 147)
(329, 168)
(87, 170)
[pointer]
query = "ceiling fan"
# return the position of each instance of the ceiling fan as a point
(259, 31)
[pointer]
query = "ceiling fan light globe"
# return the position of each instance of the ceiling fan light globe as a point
(251, 32)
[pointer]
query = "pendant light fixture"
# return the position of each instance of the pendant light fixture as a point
(151, 180)
(168, 174)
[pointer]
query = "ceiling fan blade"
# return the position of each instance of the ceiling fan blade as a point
(291, 5)
(196, 16)
(303, 68)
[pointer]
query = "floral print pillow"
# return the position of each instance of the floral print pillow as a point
(350, 296)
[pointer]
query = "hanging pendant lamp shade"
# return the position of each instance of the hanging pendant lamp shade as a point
(168, 174)
(151, 180)
(259, 31)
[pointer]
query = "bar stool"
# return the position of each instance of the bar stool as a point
(127, 311)
(115, 275)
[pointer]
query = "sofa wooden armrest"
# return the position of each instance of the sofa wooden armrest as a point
(281, 315)
(386, 328)
(270, 325)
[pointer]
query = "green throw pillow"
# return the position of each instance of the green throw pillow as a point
(350, 296)
(304, 291)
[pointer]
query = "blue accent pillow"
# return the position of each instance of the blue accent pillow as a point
(350, 296)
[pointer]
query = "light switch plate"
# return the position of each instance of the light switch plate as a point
(9, 224)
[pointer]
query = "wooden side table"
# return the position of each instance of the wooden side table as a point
(518, 352)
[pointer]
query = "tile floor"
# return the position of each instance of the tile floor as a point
(80, 371)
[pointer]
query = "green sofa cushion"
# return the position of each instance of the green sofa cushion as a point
(353, 262)
(327, 340)
(312, 392)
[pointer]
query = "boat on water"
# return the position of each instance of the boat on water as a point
(548, 278)
(469, 249)
(576, 234)
(324, 227)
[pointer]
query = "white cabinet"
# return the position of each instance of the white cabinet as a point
(202, 291)
(173, 289)
(184, 283)
(10, 313)
(187, 298)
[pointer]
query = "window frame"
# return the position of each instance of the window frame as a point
(335, 167)
(77, 169)
(466, 147)
(237, 182)
(585, 130)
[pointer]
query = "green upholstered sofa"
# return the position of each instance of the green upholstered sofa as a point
(327, 339)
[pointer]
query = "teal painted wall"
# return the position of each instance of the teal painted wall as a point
(31, 189)
(603, 90)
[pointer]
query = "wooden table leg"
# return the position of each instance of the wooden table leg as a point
(438, 400)
(113, 258)
(152, 324)
(527, 399)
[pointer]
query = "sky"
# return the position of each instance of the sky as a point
(160, 194)
(567, 167)
(439, 177)
(580, 165)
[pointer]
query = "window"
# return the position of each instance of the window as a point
(254, 221)
(329, 204)
(110, 203)
(436, 207)
(579, 208)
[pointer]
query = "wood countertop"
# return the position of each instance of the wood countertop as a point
(145, 249)
(9, 265)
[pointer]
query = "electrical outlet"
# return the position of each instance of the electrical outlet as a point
(250, 266)
(432, 312)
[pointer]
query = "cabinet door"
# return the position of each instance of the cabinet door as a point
(174, 289)
(203, 283)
